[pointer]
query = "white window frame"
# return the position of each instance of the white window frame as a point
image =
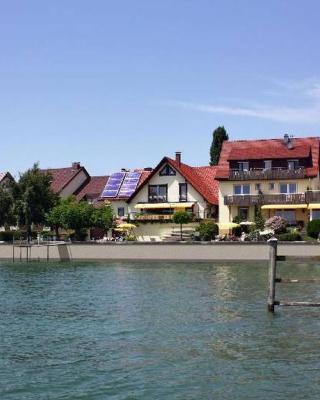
(242, 185)
(294, 166)
(265, 166)
(243, 165)
(311, 214)
(288, 187)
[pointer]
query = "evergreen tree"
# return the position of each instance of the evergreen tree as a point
(219, 135)
(259, 220)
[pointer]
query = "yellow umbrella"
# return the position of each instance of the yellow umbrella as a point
(126, 226)
(120, 230)
(228, 225)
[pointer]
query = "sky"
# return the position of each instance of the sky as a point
(116, 84)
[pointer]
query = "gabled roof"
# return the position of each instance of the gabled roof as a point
(93, 188)
(61, 177)
(268, 149)
(201, 178)
(4, 175)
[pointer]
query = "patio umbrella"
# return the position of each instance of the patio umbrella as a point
(228, 225)
(126, 226)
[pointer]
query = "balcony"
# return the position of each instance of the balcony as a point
(267, 174)
(313, 196)
(153, 217)
(247, 200)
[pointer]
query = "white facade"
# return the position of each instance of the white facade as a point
(201, 208)
(74, 184)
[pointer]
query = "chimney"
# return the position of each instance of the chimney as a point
(76, 165)
(285, 138)
(178, 157)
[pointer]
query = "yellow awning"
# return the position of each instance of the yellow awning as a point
(154, 206)
(283, 206)
(314, 206)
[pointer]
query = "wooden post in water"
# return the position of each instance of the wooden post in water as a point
(273, 244)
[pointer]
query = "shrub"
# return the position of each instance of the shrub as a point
(207, 230)
(313, 228)
(8, 236)
(277, 224)
(290, 237)
(131, 238)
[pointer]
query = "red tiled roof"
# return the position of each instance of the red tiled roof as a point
(92, 189)
(201, 178)
(268, 149)
(62, 176)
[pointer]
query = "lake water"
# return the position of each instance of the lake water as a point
(96, 331)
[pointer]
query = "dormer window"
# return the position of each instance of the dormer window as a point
(293, 164)
(267, 164)
(243, 166)
(167, 171)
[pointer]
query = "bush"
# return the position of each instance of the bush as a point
(207, 230)
(131, 238)
(313, 228)
(290, 237)
(277, 224)
(8, 236)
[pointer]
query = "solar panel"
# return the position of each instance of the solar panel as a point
(129, 184)
(113, 185)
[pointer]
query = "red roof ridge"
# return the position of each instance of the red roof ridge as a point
(268, 140)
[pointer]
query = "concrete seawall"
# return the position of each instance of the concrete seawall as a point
(160, 251)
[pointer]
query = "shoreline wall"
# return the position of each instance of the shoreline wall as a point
(135, 251)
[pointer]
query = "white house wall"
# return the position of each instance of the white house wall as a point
(74, 184)
(173, 192)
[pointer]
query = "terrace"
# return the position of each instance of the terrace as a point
(265, 174)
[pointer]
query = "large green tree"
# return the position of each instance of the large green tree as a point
(219, 135)
(69, 214)
(33, 198)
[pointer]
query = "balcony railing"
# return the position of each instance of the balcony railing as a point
(157, 199)
(152, 217)
(264, 174)
(313, 196)
(247, 200)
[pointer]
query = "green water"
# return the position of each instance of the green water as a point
(155, 331)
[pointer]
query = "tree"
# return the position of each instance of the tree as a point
(6, 205)
(55, 218)
(219, 135)
(33, 198)
(102, 217)
(181, 218)
(76, 216)
(259, 220)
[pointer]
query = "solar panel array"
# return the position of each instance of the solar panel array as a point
(129, 184)
(121, 184)
(113, 185)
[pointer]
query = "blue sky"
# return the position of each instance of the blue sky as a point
(122, 83)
